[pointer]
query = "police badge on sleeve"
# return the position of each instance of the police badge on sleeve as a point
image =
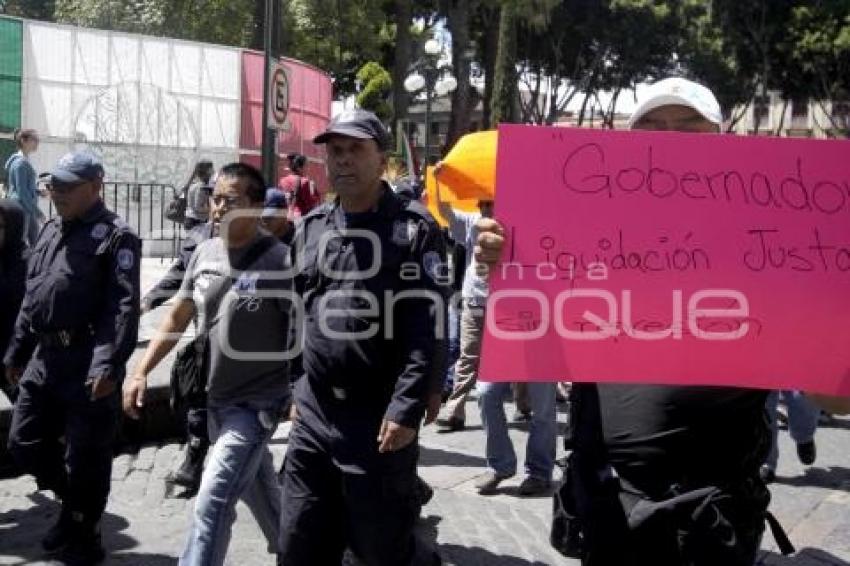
(100, 231)
(404, 232)
(126, 259)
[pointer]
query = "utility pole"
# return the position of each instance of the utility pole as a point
(272, 53)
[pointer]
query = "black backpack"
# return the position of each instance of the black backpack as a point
(176, 209)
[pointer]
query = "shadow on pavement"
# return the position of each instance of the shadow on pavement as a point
(439, 457)
(805, 557)
(836, 422)
(834, 477)
(474, 556)
(135, 559)
(466, 428)
(513, 491)
(21, 530)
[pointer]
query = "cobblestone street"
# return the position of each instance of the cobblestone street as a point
(144, 527)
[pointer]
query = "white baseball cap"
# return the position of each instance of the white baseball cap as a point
(678, 91)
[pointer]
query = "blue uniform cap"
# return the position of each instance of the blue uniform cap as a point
(77, 167)
(356, 123)
(275, 202)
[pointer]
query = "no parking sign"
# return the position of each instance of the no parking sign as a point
(278, 99)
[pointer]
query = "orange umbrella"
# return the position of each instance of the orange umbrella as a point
(430, 198)
(469, 170)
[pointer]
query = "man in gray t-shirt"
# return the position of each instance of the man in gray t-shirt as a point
(240, 286)
(242, 314)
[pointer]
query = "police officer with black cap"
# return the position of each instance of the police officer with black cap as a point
(369, 267)
(73, 336)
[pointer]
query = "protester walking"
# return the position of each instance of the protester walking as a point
(239, 284)
(662, 475)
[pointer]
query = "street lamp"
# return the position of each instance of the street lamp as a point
(434, 77)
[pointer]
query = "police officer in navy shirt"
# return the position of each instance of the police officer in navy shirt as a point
(369, 267)
(74, 334)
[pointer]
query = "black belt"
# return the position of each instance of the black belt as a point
(57, 339)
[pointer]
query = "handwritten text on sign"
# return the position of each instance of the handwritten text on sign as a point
(671, 258)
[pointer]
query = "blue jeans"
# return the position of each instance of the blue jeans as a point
(453, 346)
(802, 421)
(240, 465)
(540, 450)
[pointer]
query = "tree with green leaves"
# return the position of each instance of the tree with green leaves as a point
(337, 36)
(227, 22)
(376, 86)
(35, 9)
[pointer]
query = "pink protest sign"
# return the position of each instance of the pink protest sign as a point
(671, 258)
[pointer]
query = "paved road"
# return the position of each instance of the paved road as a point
(144, 527)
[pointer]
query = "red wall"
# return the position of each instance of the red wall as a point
(310, 95)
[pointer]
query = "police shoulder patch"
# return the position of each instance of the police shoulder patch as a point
(99, 231)
(126, 259)
(401, 233)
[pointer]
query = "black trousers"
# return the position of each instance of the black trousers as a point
(339, 492)
(64, 439)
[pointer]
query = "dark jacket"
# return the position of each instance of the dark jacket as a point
(384, 374)
(83, 281)
(13, 271)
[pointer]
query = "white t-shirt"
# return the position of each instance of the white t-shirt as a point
(475, 288)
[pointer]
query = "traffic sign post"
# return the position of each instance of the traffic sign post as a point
(278, 97)
(275, 96)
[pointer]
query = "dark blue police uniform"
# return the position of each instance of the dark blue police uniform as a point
(338, 490)
(79, 320)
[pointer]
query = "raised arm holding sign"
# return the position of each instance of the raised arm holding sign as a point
(672, 258)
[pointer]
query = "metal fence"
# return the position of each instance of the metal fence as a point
(142, 206)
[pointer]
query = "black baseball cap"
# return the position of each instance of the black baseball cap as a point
(356, 123)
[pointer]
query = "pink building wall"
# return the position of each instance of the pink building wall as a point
(310, 96)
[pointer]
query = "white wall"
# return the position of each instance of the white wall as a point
(150, 107)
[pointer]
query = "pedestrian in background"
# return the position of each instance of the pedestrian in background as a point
(13, 271)
(22, 182)
(198, 192)
(75, 332)
(474, 297)
(301, 191)
(802, 417)
(662, 475)
(275, 217)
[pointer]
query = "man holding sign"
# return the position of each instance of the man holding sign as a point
(662, 475)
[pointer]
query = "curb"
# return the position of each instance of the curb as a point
(158, 423)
